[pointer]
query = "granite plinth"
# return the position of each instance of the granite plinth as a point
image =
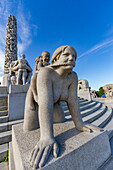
(16, 101)
(18, 88)
(85, 95)
(78, 150)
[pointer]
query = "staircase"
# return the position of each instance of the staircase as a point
(92, 112)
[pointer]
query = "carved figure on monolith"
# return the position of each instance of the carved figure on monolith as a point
(56, 82)
(10, 48)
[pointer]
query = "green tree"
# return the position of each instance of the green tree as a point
(100, 92)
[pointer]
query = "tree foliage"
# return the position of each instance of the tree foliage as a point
(100, 92)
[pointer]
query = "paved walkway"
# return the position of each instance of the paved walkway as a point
(3, 166)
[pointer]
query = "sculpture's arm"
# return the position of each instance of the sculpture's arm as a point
(45, 101)
(47, 142)
(15, 66)
(36, 71)
(29, 67)
(74, 108)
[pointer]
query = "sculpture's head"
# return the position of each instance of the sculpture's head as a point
(38, 59)
(22, 56)
(64, 56)
(45, 56)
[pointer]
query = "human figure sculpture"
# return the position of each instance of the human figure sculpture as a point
(108, 89)
(23, 69)
(56, 82)
(42, 61)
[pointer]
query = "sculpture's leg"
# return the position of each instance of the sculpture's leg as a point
(19, 76)
(29, 78)
(31, 113)
(24, 77)
(58, 114)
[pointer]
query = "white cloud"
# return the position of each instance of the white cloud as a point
(97, 47)
(24, 29)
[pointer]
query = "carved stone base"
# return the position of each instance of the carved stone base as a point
(16, 101)
(85, 95)
(78, 150)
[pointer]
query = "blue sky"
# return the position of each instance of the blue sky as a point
(86, 25)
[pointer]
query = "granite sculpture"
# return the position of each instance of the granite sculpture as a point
(10, 48)
(108, 89)
(42, 61)
(84, 89)
(54, 83)
(22, 70)
(11, 43)
(93, 94)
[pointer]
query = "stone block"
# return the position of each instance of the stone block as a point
(16, 101)
(3, 90)
(85, 95)
(18, 88)
(78, 150)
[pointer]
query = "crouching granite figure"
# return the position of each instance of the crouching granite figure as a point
(56, 82)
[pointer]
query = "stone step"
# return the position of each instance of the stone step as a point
(4, 119)
(8, 126)
(88, 106)
(3, 104)
(3, 108)
(85, 103)
(3, 96)
(91, 110)
(108, 165)
(88, 111)
(103, 120)
(5, 137)
(95, 115)
(4, 113)
(83, 106)
(109, 128)
(3, 166)
(3, 150)
(80, 101)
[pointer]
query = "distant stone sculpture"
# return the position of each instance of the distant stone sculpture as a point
(11, 43)
(42, 61)
(11, 48)
(93, 93)
(108, 89)
(84, 89)
(22, 70)
(56, 82)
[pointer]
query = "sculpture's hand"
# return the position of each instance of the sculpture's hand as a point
(42, 151)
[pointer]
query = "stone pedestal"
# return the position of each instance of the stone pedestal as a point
(78, 150)
(109, 102)
(16, 101)
(85, 94)
(6, 80)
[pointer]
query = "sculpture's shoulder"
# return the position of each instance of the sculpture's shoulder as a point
(74, 76)
(46, 72)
